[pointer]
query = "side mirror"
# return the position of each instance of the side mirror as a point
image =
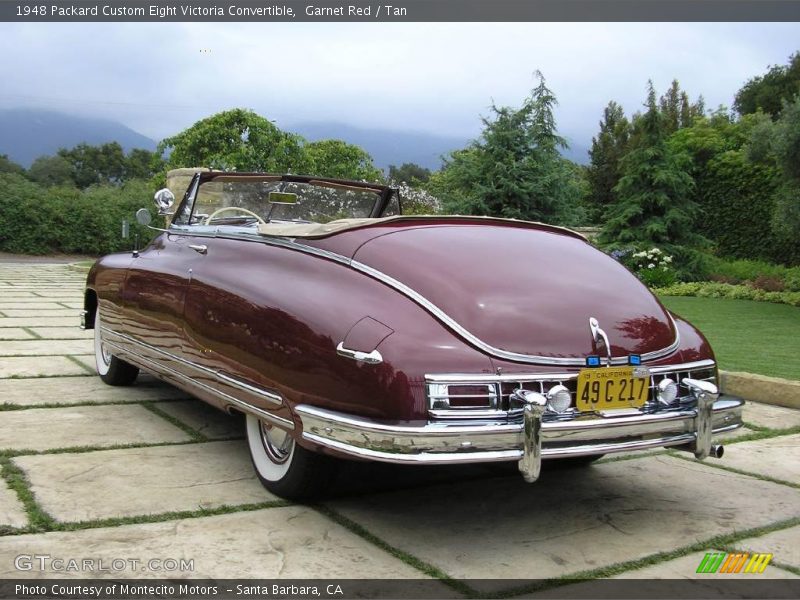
(164, 200)
(143, 216)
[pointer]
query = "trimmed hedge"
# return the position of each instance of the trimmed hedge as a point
(707, 289)
(737, 199)
(44, 220)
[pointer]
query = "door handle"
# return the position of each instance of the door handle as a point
(201, 248)
(371, 358)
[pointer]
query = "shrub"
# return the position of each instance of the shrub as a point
(767, 283)
(741, 271)
(39, 220)
(724, 290)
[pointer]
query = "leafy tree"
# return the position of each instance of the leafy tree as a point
(50, 170)
(9, 166)
(514, 170)
(335, 158)
(786, 216)
(239, 140)
(142, 164)
(93, 165)
(608, 148)
(653, 203)
(768, 92)
(410, 173)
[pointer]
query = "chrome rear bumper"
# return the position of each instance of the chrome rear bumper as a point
(530, 441)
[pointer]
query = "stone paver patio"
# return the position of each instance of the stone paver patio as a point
(149, 472)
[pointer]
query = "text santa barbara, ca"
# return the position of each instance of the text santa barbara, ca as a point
(174, 11)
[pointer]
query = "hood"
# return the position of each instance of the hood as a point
(524, 290)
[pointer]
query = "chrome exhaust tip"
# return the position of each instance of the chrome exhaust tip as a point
(715, 451)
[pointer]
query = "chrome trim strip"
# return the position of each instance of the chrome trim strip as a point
(291, 244)
(511, 377)
(267, 395)
(151, 364)
(439, 443)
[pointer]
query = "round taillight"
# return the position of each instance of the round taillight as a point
(667, 391)
(558, 399)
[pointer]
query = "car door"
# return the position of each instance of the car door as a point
(153, 296)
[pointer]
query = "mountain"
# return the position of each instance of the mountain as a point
(389, 147)
(26, 134)
(385, 146)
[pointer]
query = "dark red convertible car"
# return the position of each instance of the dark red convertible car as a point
(342, 329)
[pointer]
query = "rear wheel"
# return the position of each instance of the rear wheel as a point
(111, 369)
(285, 468)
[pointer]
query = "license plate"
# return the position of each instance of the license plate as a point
(610, 388)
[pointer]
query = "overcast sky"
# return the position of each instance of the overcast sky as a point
(431, 77)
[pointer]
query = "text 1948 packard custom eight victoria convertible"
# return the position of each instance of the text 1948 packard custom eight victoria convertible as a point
(342, 329)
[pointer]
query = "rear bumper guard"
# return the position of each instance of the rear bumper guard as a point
(534, 439)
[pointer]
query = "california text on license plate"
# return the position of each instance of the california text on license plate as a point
(608, 388)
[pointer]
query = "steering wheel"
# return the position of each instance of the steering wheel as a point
(228, 208)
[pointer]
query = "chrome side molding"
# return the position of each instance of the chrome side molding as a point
(371, 358)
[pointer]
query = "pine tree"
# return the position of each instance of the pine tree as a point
(653, 203)
(514, 170)
(608, 148)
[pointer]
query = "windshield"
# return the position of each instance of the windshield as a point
(246, 200)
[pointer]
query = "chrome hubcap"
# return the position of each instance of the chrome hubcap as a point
(105, 353)
(277, 443)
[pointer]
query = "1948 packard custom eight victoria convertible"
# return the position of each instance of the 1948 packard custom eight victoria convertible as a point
(342, 329)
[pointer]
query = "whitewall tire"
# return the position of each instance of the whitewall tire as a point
(284, 467)
(111, 369)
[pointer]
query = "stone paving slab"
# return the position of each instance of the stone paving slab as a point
(777, 457)
(210, 421)
(15, 333)
(33, 305)
(773, 417)
(40, 366)
(81, 390)
(46, 347)
(50, 428)
(40, 321)
(288, 542)
(61, 333)
(90, 362)
(571, 520)
(56, 312)
(12, 513)
(784, 544)
(143, 481)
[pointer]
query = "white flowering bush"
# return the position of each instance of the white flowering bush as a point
(654, 267)
(417, 201)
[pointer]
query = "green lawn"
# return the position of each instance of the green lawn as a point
(757, 337)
